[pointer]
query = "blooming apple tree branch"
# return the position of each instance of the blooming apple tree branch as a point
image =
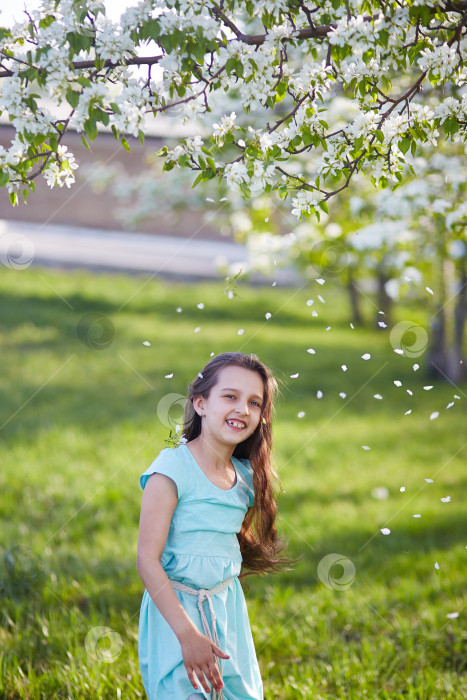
(397, 65)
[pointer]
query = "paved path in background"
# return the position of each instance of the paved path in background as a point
(23, 244)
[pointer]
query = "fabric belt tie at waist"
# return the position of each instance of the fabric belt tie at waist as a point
(205, 594)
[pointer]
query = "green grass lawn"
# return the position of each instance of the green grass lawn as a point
(80, 423)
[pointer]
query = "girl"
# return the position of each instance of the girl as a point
(207, 509)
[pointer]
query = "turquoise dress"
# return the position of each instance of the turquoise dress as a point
(201, 551)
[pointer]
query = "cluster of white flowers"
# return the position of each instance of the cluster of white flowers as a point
(225, 126)
(355, 31)
(441, 60)
(61, 172)
(263, 175)
(192, 147)
(133, 103)
(305, 202)
(112, 42)
(133, 16)
(355, 67)
(313, 77)
(91, 94)
(236, 174)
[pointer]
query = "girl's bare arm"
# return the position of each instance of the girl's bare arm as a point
(158, 504)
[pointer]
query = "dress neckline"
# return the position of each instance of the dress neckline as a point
(232, 488)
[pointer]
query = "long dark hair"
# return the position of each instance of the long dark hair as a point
(259, 543)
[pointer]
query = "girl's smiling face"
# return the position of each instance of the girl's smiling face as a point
(232, 411)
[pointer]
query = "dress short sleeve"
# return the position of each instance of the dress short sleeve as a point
(247, 471)
(168, 462)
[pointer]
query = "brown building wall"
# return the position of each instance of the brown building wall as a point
(79, 205)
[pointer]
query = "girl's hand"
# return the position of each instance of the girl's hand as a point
(199, 656)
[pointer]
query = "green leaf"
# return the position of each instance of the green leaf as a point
(141, 137)
(72, 97)
(4, 178)
(14, 198)
(404, 144)
(85, 143)
(124, 143)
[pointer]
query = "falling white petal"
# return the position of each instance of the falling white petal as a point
(314, 313)
(319, 394)
(147, 343)
(366, 356)
(434, 415)
(266, 219)
(397, 382)
(273, 284)
(301, 414)
(310, 302)
(429, 481)
(267, 316)
(382, 324)
(321, 281)
(410, 392)
(344, 368)
(378, 396)
(342, 394)
(427, 388)
(352, 326)
(436, 565)
(452, 616)
(457, 397)
(398, 351)
(381, 312)
(178, 309)
(169, 376)
(321, 299)
(402, 489)
(311, 351)
(197, 329)
(446, 499)
(200, 375)
(429, 290)
(294, 376)
(240, 331)
(230, 294)
(417, 515)
(415, 367)
(407, 413)
(210, 199)
(328, 328)
(450, 404)
(200, 305)
(365, 447)
(385, 531)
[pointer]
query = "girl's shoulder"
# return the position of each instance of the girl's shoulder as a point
(170, 462)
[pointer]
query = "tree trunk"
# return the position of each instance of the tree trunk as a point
(354, 298)
(384, 300)
(436, 361)
(456, 367)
